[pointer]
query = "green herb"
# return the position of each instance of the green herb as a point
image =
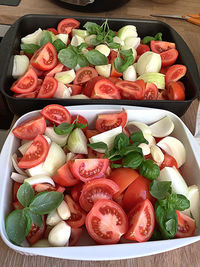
(82, 61)
(131, 148)
(63, 128)
(148, 39)
(115, 166)
(178, 201)
(35, 218)
(91, 27)
(156, 235)
(68, 57)
(98, 145)
(114, 45)
(149, 169)
(46, 38)
(25, 194)
(121, 141)
(160, 190)
(29, 48)
(133, 160)
(124, 60)
(59, 45)
(138, 138)
(96, 58)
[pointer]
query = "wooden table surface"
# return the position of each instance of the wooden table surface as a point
(186, 256)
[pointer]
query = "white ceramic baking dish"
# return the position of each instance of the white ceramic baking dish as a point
(86, 249)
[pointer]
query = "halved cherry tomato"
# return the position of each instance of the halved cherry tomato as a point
(106, 222)
(45, 58)
(150, 92)
(175, 73)
(96, 189)
(169, 57)
(58, 68)
(89, 133)
(88, 87)
(141, 222)
(169, 161)
(75, 236)
(66, 25)
(130, 90)
(48, 88)
(85, 74)
(81, 120)
(88, 169)
(123, 177)
(16, 186)
(175, 91)
(136, 192)
(161, 46)
(186, 225)
(53, 30)
(76, 89)
(105, 122)
(105, 89)
(36, 233)
(142, 48)
(78, 215)
(25, 84)
(64, 177)
(35, 154)
(76, 191)
(56, 114)
(29, 129)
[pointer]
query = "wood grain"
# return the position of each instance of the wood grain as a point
(183, 257)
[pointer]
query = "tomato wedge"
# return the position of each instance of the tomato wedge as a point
(35, 154)
(36, 233)
(105, 89)
(131, 90)
(186, 225)
(168, 161)
(109, 121)
(25, 84)
(85, 74)
(161, 46)
(29, 129)
(106, 222)
(96, 189)
(75, 236)
(175, 91)
(48, 88)
(88, 169)
(141, 222)
(150, 92)
(76, 191)
(88, 87)
(45, 58)
(16, 186)
(142, 48)
(76, 89)
(66, 25)
(175, 73)
(57, 114)
(169, 57)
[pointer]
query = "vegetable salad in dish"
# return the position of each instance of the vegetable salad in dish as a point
(94, 61)
(119, 178)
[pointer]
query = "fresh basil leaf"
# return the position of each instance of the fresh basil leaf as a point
(35, 218)
(158, 36)
(81, 46)
(91, 27)
(126, 53)
(98, 145)
(160, 189)
(59, 45)
(80, 125)
(131, 148)
(82, 61)
(68, 57)
(128, 61)
(29, 48)
(96, 58)
(170, 225)
(115, 156)
(156, 235)
(100, 37)
(16, 226)
(46, 38)
(25, 194)
(179, 202)
(63, 128)
(115, 166)
(45, 202)
(121, 141)
(147, 39)
(149, 169)
(118, 63)
(138, 138)
(133, 160)
(113, 45)
(94, 42)
(29, 222)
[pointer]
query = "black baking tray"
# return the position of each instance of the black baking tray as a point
(29, 23)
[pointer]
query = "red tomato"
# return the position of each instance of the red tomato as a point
(48, 88)
(16, 186)
(64, 177)
(181, 84)
(163, 70)
(175, 91)
(161, 46)
(88, 169)
(58, 68)
(169, 57)
(29, 129)
(96, 189)
(76, 191)
(35, 154)
(56, 114)
(130, 90)
(45, 58)
(66, 25)
(105, 89)
(109, 121)
(77, 218)
(150, 92)
(85, 74)
(89, 133)
(26, 95)
(37, 71)
(175, 73)
(88, 87)
(106, 222)
(53, 30)
(81, 120)
(112, 56)
(114, 72)
(114, 79)
(169, 161)
(94, 154)
(186, 225)
(75, 236)
(136, 192)
(36, 233)
(162, 95)
(141, 222)
(25, 84)
(123, 177)
(142, 48)
(76, 89)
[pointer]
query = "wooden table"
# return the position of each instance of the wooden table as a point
(186, 256)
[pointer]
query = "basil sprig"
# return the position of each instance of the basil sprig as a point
(19, 222)
(124, 60)
(148, 39)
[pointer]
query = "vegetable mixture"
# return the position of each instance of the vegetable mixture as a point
(96, 62)
(119, 179)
